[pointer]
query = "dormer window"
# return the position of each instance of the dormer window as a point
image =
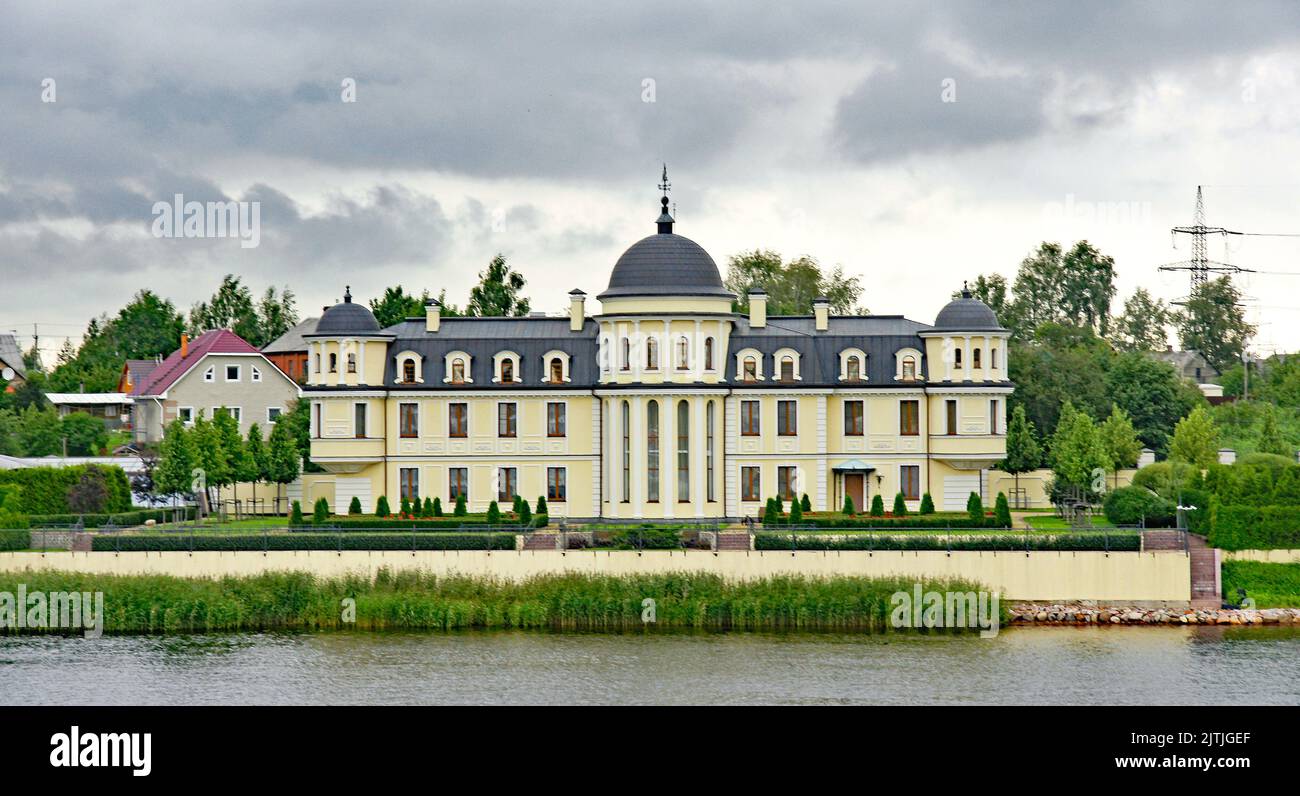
(555, 367)
(909, 368)
(853, 370)
(787, 364)
(751, 369)
(787, 368)
(507, 371)
(458, 371)
(749, 365)
(506, 367)
(408, 371)
(557, 371)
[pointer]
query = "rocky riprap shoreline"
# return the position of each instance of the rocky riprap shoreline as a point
(1090, 615)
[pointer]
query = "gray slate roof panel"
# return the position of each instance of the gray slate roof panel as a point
(665, 264)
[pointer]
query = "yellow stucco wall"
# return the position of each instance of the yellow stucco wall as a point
(1114, 578)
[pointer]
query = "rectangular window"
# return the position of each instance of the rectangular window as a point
(232, 373)
(408, 420)
(458, 483)
(787, 418)
(555, 417)
(909, 418)
(317, 427)
(359, 421)
(506, 419)
(751, 487)
(507, 485)
(457, 425)
(950, 407)
(352, 363)
(787, 483)
(410, 482)
(555, 484)
(993, 416)
(185, 414)
(273, 413)
(853, 418)
(909, 476)
(749, 418)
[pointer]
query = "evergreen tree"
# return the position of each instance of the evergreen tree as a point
(176, 461)
(428, 509)
(542, 510)
(493, 514)
(877, 506)
(1023, 451)
(406, 508)
(436, 510)
(321, 513)
(295, 517)
(1077, 450)
(805, 504)
(927, 504)
(381, 507)
(796, 512)
(355, 506)
(900, 507)
(975, 508)
(771, 516)
(849, 508)
(282, 457)
(1270, 437)
(525, 513)
(1120, 441)
(1002, 511)
(461, 508)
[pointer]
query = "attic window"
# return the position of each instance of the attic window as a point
(458, 371)
(408, 371)
(210, 374)
(255, 374)
(909, 369)
(751, 369)
(787, 368)
(853, 370)
(557, 370)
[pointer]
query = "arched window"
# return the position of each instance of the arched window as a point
(853, 369)
(751, 369)
(627, 451)
(334, 363)
(458, 371)
(652, 451)
(557, 370)
(352, 363)
(787, 368)
(710, 493)
(909, 368)
(683, 452)
(708, 353)
(683, 353)
(627, 354)
(956, 357)
(408, 370)
(507, 371)
(651, 353)
(975, 358)
(993, 358)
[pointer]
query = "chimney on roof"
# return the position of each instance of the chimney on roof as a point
(185, 345)
(822, 313)
(577, 310)
(432, 315)
(757, 308)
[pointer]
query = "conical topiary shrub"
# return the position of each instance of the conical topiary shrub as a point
(805, 504)
(355, 506)
(975, 508)
(877, 506)
(927, 504)
(295, 516)
(1002, 511)
(493, 514)
(849, 508)
(381, 507)
(436, 509)
(900, 507)
(461, 509)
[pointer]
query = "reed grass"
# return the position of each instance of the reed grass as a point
(152, 604)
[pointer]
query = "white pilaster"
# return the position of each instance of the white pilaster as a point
(697, 454)
(668, 448)
(966, 357)
(638, 455)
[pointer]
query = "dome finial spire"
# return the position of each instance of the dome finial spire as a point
(665, 220)
(347, 294)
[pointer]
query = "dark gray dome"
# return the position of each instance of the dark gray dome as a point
(665, 264)
(967, 314)
(347, 318)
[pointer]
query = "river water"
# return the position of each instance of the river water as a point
(1060, 665)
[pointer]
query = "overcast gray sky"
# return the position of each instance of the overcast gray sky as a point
(524, 128)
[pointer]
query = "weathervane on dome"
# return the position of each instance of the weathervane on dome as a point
(665, 220)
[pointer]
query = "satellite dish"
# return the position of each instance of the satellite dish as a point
(7, 374)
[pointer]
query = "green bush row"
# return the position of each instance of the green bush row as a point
(302, 541)
(373, 523)
(44, 490)
(1269, 585)
(120, 519)
(1121, 541)
(15, 539)
(885, 523)
(1254, 527)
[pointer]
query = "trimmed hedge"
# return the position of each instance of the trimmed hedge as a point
(646, 539)
(420, 523)
(1133, 505)
(930, 521)
(1122, 541)
(123, 519)
(1254, 527)
(301, 541)
(45, 489)
(15, 540)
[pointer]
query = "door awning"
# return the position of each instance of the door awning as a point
(853, 466)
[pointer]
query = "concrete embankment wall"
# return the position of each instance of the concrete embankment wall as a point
(1266, 556)
(1042, 576)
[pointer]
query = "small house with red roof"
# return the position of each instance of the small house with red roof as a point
(216, 371)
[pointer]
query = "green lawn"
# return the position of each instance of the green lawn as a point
(1054, 523)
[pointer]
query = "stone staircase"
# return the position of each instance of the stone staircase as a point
(1205, 573)
(542, 541)
(735, 540)
(1162, 540)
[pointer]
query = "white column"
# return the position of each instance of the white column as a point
(638, 456)
(361, 364)
(607, 433)
(966, 356)
(822, 461)
(311, 362)
(638, 350)
(697, 353)
(668, 446)
(698, 495)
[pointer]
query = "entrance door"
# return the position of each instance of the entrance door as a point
(855, 486)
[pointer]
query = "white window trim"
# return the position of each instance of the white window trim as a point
(268, 413)
(742, 355)
(703, 356)
(899, 355)
(690, 352)
(564, 366)
(419, 367)
(239, 373)
(446, 364)
(502, 356)
(782, 353)
(419, 418)
(850, 353)
(210, 375)
(355, 404)
(254, 374)
(180, 409)
(237, 410)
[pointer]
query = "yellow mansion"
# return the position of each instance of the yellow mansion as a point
(665, 405)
